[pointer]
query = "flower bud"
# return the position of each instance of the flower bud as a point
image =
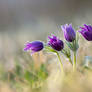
(69, 32)
(55, 43)
(86, 32)
(34, 46)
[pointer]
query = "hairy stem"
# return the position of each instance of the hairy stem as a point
(70, 60)
(74, 62)
(60, 62)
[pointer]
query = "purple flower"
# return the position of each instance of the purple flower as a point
(86, 32)
(69, 32)
(55, 43)
(34, 46)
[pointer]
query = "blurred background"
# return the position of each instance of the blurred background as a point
(28, 20)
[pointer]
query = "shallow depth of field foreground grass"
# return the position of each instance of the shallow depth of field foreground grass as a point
(78, 82)
(20, 72)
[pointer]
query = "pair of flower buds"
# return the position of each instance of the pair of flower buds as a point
(56, 43)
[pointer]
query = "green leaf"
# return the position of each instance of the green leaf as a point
(48, 48)
(73, 45)
(70, 45)
(30, 77)
(18, 70)
(66, 52)
(42, 73)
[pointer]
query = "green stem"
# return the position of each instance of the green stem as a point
(74, 62)
(60, 62)
(70, 60)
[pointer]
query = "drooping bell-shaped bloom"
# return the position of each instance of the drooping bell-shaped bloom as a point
(55, 43)
(34, 46)
(69, 32)
(86, 32)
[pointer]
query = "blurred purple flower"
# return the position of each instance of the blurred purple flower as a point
(69, 32)
(34, 46)
(55, 43)
(86, 32)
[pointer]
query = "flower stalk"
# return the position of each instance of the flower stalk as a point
(70, 60)
(74, 62)
(60, 62)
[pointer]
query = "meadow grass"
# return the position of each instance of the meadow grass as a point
(19, 72)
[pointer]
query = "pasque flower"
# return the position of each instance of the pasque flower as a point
(55, 43)
(86, 32)
(69, 32)
(34, 46)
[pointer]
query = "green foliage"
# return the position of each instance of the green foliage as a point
(49, 49)
(30, 77)
(24, 75)
(73, 45)
(42, 73)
